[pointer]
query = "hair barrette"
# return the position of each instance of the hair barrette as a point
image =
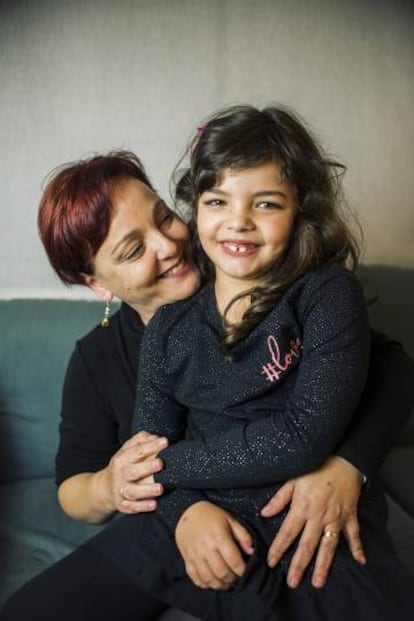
(199, 131)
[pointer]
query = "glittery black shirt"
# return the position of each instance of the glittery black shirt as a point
(276, 411)
(99, 393)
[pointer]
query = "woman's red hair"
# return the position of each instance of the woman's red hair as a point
(75, 211)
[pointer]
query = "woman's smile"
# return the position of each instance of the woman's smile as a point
(180, 268)
(143, 259)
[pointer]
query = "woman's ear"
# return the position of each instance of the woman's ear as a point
(99, 290)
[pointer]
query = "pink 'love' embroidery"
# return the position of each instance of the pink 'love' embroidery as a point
(273, 370)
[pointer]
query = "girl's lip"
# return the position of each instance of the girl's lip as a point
(177, 270)
(238, 247)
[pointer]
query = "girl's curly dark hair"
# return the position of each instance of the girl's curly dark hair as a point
(242, 137)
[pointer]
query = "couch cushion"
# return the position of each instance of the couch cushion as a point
(29, 395)
(34, 531)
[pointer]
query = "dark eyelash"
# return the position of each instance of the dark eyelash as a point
(132, 253)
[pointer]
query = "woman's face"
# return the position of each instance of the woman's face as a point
(144, 258)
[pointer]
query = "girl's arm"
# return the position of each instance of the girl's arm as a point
(158, 413)
(287, 443)
(328, 497)
(385, 406)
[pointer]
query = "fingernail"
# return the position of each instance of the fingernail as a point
(317, 583)
(292, 582)
(163, 442)
(249, 547)
(157, 464)
(151, 505)
(157, 489)
(271, 562)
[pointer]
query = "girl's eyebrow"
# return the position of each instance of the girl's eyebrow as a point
(255, 194)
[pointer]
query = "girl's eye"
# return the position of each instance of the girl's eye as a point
(269, 205)
(214, 202)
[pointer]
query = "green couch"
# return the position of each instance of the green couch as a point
(37, 338)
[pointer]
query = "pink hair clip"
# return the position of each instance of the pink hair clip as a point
(200, 130)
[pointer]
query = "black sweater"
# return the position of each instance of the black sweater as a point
(99, 394)
(274, 412)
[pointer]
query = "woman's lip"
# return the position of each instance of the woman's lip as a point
(177, 270)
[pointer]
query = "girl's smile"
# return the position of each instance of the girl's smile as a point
(238, 247)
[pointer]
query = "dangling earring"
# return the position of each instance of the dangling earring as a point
(107, 314)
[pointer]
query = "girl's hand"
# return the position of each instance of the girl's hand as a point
(210, 541)
(324, 501)
(129, 474)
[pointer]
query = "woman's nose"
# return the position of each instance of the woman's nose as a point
(164, 246)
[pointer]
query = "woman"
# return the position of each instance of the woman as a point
(128, 244)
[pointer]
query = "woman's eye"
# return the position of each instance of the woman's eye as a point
(133, 252)
(166, 218)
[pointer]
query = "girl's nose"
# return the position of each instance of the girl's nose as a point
(239, 219)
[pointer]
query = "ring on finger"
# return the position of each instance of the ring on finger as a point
(330, 534)
(122, 492)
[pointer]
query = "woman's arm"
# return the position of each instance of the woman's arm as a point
(93, 497)
(92, 465)
(385, 407)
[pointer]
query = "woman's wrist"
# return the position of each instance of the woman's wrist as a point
(84, 497)
(361, 475)
(101, 494)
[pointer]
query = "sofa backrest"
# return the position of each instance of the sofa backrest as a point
(37, 338)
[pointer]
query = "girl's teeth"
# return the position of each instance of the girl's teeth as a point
(236, 248)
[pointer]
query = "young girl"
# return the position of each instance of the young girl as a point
(265, 365)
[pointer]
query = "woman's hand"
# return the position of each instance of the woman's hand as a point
(324, 501)
(126, 484)
(130, 473)
(210, 541)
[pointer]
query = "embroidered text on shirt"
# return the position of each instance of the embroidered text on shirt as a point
(273, 370)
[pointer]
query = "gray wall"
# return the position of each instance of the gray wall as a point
(83, 76)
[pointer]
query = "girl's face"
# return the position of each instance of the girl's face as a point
(245, 223)
(144, 258)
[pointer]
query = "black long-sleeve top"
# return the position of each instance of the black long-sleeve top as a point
(99, 393)
(275, 411)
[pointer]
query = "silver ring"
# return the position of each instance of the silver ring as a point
(330, 534)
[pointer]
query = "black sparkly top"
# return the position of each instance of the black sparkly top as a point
(276, 411)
